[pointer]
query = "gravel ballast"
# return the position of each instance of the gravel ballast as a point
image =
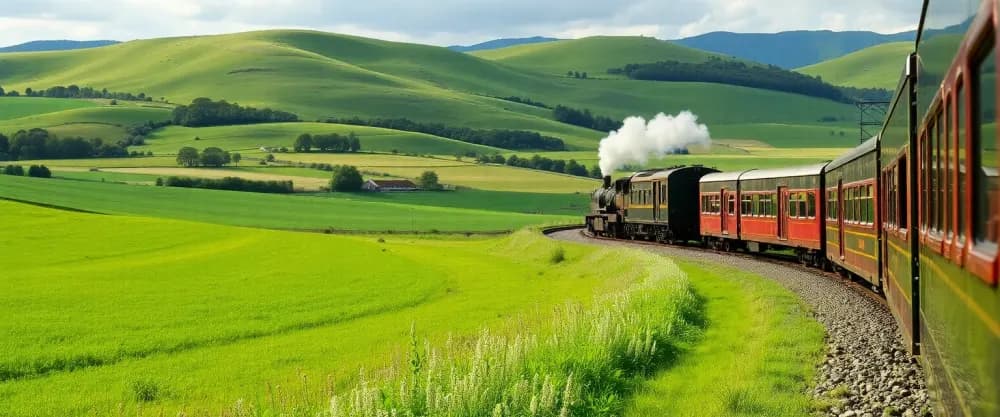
(867, 372)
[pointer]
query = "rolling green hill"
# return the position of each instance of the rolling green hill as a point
(318, 75)
(74, 117)
(595, 55)
(877, 66)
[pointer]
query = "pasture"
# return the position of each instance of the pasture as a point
(88, 120)
(272, 211)
(175, 316)
(879, 66)
(16, 107)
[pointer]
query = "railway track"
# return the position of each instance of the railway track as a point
(865, 355)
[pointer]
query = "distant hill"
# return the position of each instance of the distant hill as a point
(594, 55)
(793, 49)
(319, 75)
(57, 45)
(500, 43)
(875, 67)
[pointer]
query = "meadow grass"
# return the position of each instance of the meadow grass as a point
(303, 212)
(116, 314)
(878, 66)
(15, 107)
(87, 121)
(276, 135)
(505, 201)
(757, 355)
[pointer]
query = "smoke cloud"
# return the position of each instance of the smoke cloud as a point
(637, 140)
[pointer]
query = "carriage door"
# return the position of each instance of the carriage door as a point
(783, 213)
(840, 217)
(656, 200)
(724, 211)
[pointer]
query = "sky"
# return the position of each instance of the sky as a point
(443, 22)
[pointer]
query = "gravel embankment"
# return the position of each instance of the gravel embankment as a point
(865, 354)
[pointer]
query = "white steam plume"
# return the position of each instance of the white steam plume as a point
(637, 140)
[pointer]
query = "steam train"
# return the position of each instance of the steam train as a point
(914, 211)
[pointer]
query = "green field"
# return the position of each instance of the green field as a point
(174, 315)
(262, 210)
(89, 119)
(318, 75)
(15, 107)
(276, 135)
(879, 66)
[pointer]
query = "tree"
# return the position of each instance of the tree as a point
(270, 157)
(214, 157)
(236, 158)
(303, 143)
(39, 171)
(2, 93)
(13, 170)
(429, 181)
(595, 171)
(346, 178)
(355, 142)
(187, 156)
(4, 144)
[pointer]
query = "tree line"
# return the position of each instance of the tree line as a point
(332, 142)
(499, 138)
(205, 112)
(716, 70)
(37, 171)
(571, 167)
(75, 91)
(209, 157)
(584, 118)
(231, 184)
(42, 144)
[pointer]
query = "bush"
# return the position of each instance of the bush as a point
(558, 255)
(346, 178)
(145, 390)
(13, 170)
(39, 171)
(232, 184)
(429, 181)
(205, 112)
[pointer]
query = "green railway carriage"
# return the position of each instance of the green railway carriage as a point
(661, 204)
(941, 220)
(852, 215)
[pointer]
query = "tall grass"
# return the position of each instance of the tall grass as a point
(585, 363)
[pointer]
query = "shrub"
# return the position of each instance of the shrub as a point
(232, 184)
(145, 390)
(429, 181)
(13, 170)
(39, 171)
(558, 255)
(346, 178)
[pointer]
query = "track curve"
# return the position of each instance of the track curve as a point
(864, 349)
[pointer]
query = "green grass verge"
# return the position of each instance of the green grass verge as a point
(263, 210)
(757, 356)
(191, 317)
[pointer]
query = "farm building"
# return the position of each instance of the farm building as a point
(389, 185)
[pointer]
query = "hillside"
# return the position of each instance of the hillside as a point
(318, 75)
(500, 43)
(792, 49)
(55, 45)
(878, 66)
(594, 55)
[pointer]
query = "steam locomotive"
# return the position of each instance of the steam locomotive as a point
(913, 211)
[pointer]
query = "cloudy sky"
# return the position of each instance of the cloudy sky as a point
(443, 22)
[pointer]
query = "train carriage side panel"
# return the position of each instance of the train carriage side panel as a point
(959, 206)
(782, 208)
(854, 235)
(719, 202)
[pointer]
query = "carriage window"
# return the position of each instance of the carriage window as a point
(924, 175)
(732, 204)
(870, 197)
(901, 199)
(960, 149)
(793, 209)
(984, 163)
(745, 204)
(942, 164)
(811, 205)
(802, 205)
(949, 182)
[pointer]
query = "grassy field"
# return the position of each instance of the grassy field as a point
(262, 210)
(878, 66)
(275, 135)
(757, 355)
(15, 107)
(91, 119)
(318, 75)
(201, 316)
(743, 156)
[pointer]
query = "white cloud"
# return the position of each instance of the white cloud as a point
(443, 22)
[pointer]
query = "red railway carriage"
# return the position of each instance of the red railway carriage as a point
(852, 201)
(719, 214)
(781, 208)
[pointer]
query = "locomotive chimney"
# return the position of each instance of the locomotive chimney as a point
(607, 181)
